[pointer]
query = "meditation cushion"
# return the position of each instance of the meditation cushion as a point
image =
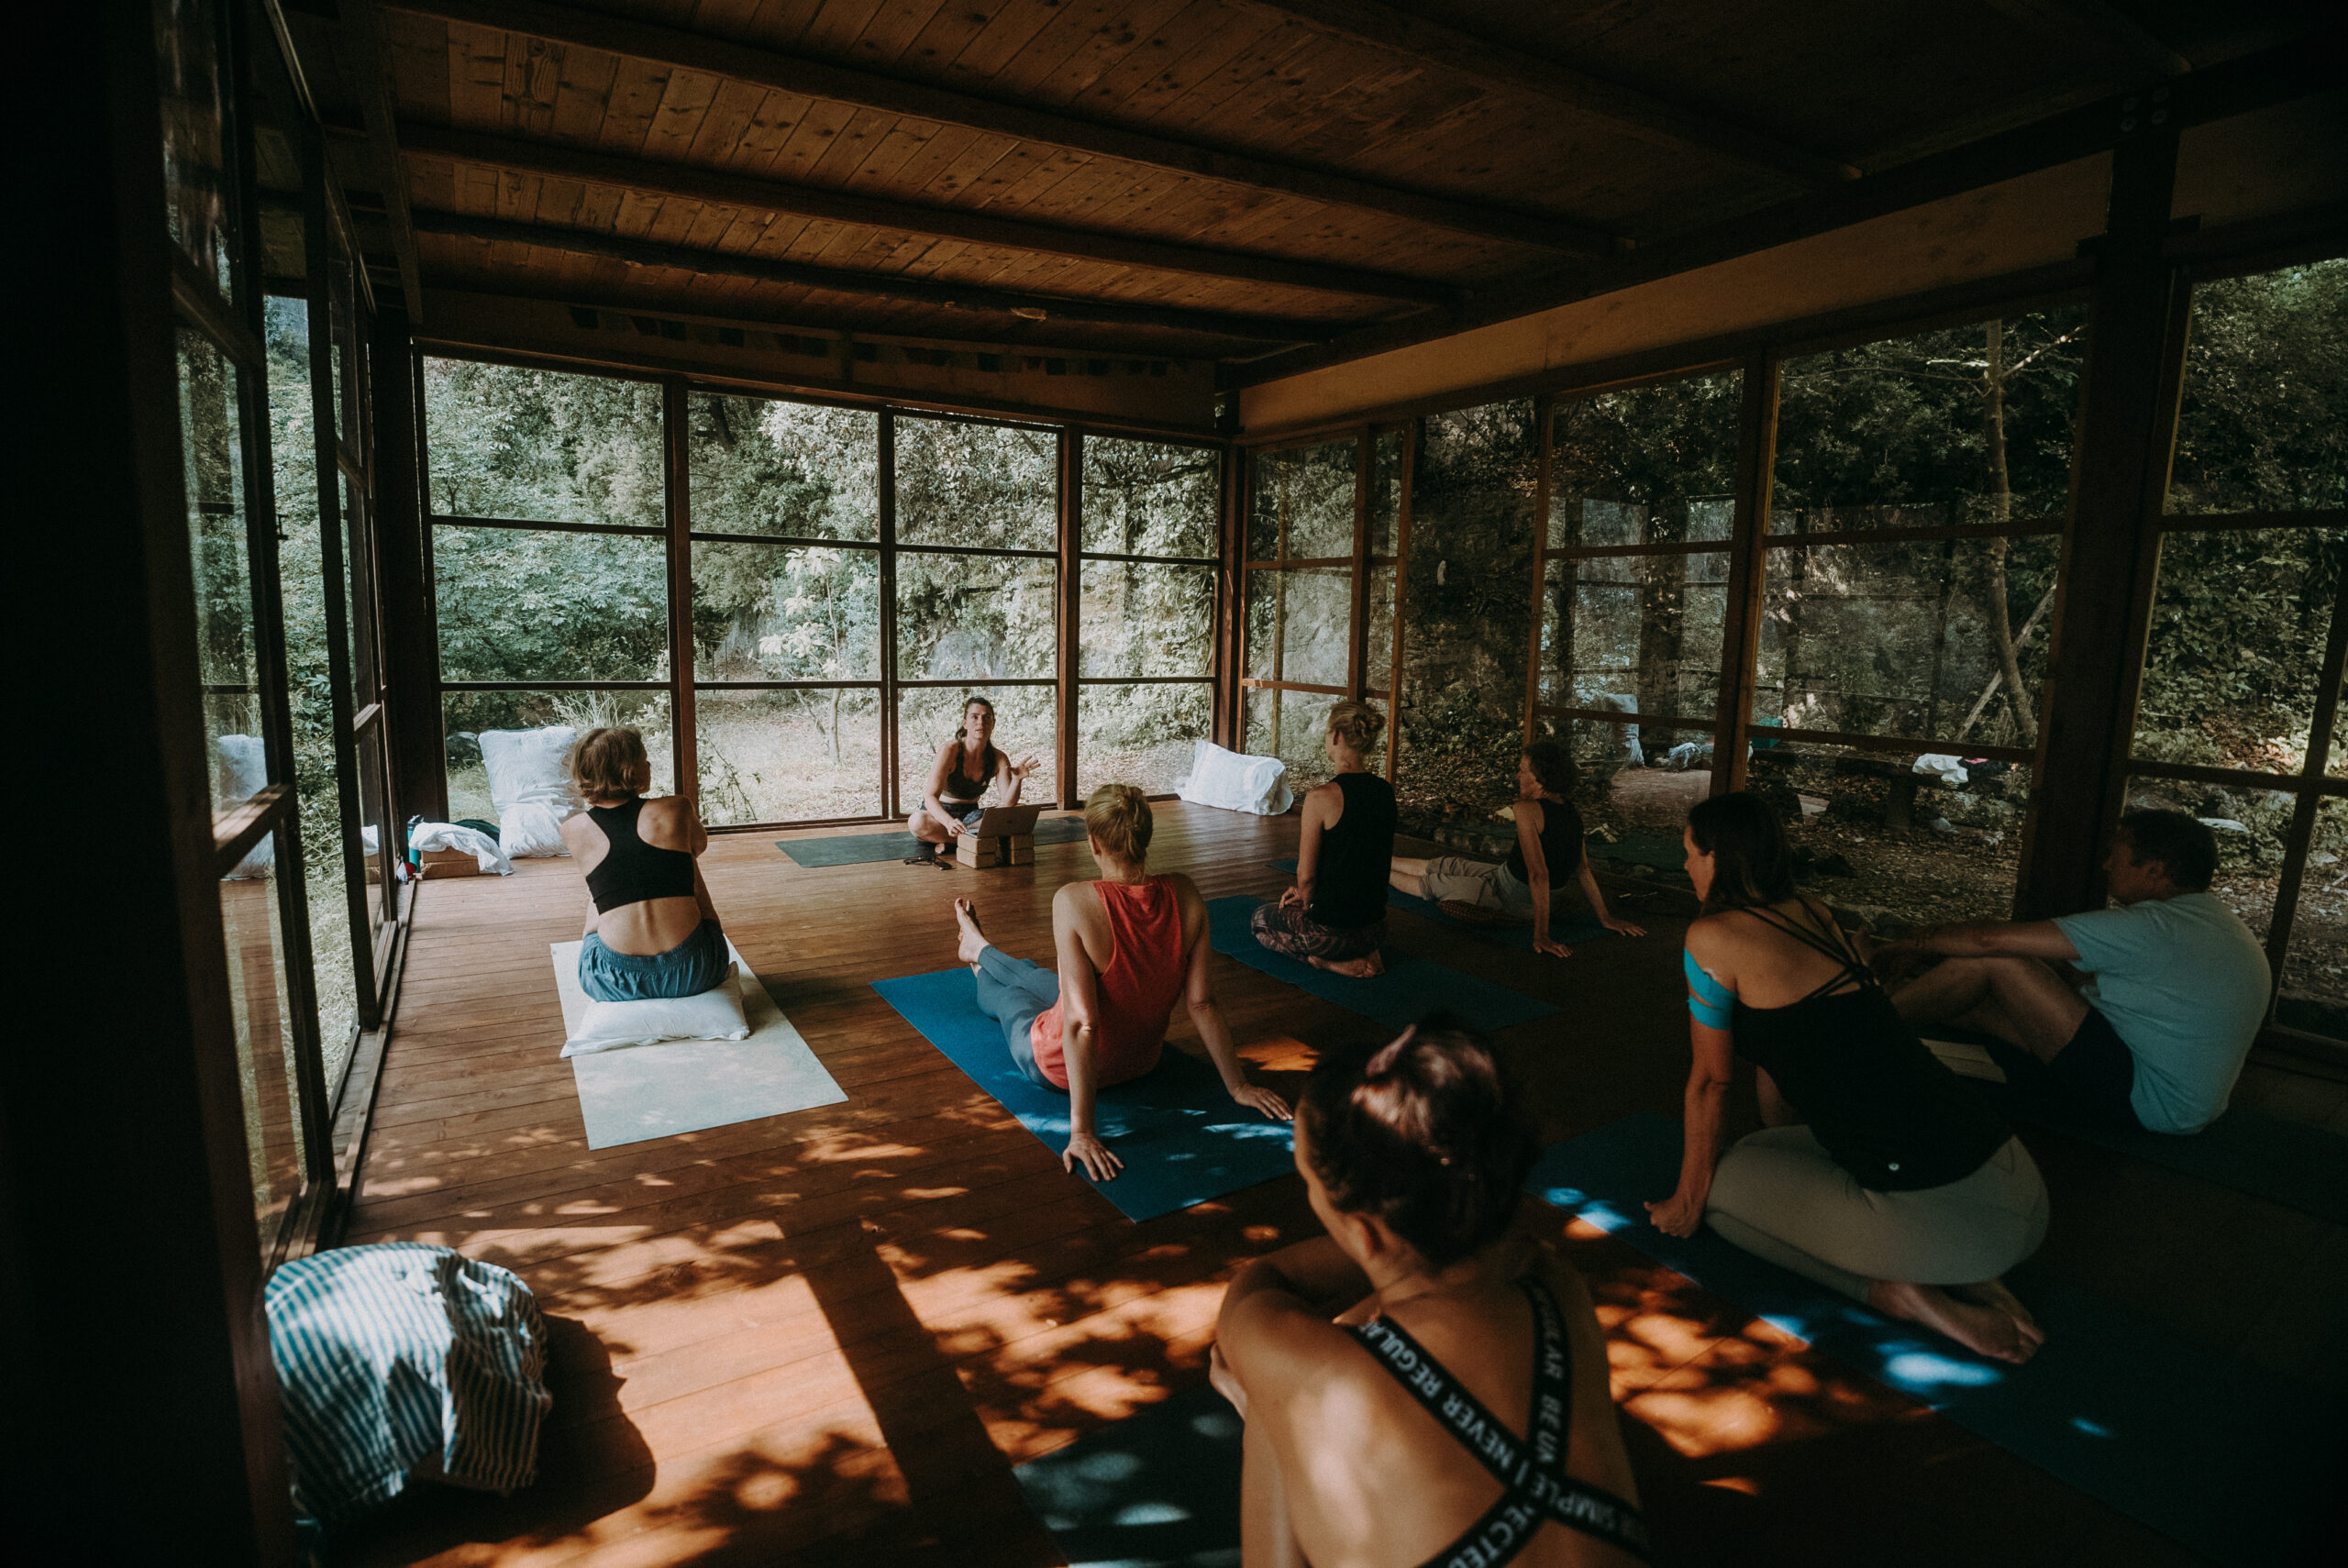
(529, 788)
(712, 1015)
(1236, 783)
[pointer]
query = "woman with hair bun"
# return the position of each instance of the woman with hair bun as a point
(1456, 1409)
(1129, 945)
(1334, 917)
(1879, 1174)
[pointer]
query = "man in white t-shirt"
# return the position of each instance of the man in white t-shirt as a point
(2151, 1025)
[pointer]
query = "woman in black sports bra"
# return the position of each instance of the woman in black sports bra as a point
(1457, 1412)
(651, 929)
(1879, 1174)
(965, 766)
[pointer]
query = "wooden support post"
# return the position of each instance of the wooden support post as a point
(1358, 608)
(1231, 550)
(1408, 481)
(1757, 458)
(677, 487)
(404, 584)
(890, 805)
(2119, 479)
(1071, 604)
(1544, 408)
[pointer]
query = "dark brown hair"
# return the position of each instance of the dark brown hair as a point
(604, 762)
(994, 759)
(1553, 766)
(1427, 1133)
(2184, 847)
(1752, 862)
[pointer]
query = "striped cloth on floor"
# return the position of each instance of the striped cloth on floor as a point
(403, 1358)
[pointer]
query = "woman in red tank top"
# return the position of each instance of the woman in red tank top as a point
(1129, 945)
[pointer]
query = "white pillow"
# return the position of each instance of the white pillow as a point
(712, 1015)
(529, 788)
(241, 771)
(1236, 783)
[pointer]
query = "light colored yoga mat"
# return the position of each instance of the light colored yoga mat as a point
(684, 1085)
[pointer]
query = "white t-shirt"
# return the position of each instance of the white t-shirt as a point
(2185, 983)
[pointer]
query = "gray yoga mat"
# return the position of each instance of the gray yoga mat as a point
(685, 1085)
(867, 848)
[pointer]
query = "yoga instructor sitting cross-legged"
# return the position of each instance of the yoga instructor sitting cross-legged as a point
(1129, 945)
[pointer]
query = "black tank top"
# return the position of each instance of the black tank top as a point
(632, 870)
(1350, 877)
(1887, 1109)
(1561, 841)
(960, 786)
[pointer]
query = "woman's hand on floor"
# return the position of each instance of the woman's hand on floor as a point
(1620, 926)
(1676, 1215)
(1552, 946)
(1265, 1101)
(1097, 1162)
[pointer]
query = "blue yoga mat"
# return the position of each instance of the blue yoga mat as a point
(1156, 1490)
(1411, 988)
(2220, 1455)
(1181, 1138)
(870, 848)
(1517, 936)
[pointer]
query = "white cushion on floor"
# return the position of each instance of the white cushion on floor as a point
(529, 788)
(1236, 783)
(712, 1015)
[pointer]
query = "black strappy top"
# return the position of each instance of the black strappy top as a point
(960, 786)
(632, 870)
(1350, 877)
(1562, 838)
(1534, 1487)
(1887, 1109)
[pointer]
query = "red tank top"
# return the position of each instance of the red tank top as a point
(1136, 990)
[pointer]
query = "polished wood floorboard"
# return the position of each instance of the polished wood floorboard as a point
(828, 1336)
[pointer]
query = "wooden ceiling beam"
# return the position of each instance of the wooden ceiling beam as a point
(1390, 27)
(2099, 30)
(758, 193)
(842, 84)
(873, 285)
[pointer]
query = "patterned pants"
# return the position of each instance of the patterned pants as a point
(1295, 935)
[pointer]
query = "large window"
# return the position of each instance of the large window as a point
(1326, 538)
(2239, 717)
(1908, 585)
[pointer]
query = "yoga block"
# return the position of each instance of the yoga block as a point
(977, 852)
(435, 864)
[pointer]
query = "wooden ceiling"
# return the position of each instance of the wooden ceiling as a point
(1191, 179)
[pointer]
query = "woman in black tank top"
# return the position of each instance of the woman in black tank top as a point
(1334, 917)
(959, 779)
(651, 930)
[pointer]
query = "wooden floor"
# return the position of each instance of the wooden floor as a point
(830, 1335)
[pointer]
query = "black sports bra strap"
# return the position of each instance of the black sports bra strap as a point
(1838, 949)
(1534, 1486)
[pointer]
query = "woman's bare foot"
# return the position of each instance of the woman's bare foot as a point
(974, 941)
(1993, 1293)
(1353, 968)
(1985, 1331)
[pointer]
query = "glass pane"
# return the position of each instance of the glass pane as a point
(1874, 832)
(1302, 503)
(976, 618)
(1634, 811)
(787, 757)
(213, 457)
(1140, 735)
(1902, 639)
(542, 446)
(1467, 652)
(1645, 466)
(1378, 643)
(1386, 452)
(265, 1043)
(2235, 654)
(375, 836)
(302, 587)
(786, 613)
(2252, 825)
(1290, 725)
(1260, 658)
(465, 714)
(1145, 498)
(1634, 634)
(1146, 620)
(357, 614)
(529, 606)
(1969, 425)
(1298, 625)
(342, 321)
(2266, 377)
(1027, 724)
(193, 110)
(763, 466)
(977, 484)
(2315, 967)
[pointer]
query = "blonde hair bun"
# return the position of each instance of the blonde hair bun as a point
(1117, 818)
(1356, 723)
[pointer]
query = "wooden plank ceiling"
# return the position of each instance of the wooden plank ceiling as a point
(1191, 179)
